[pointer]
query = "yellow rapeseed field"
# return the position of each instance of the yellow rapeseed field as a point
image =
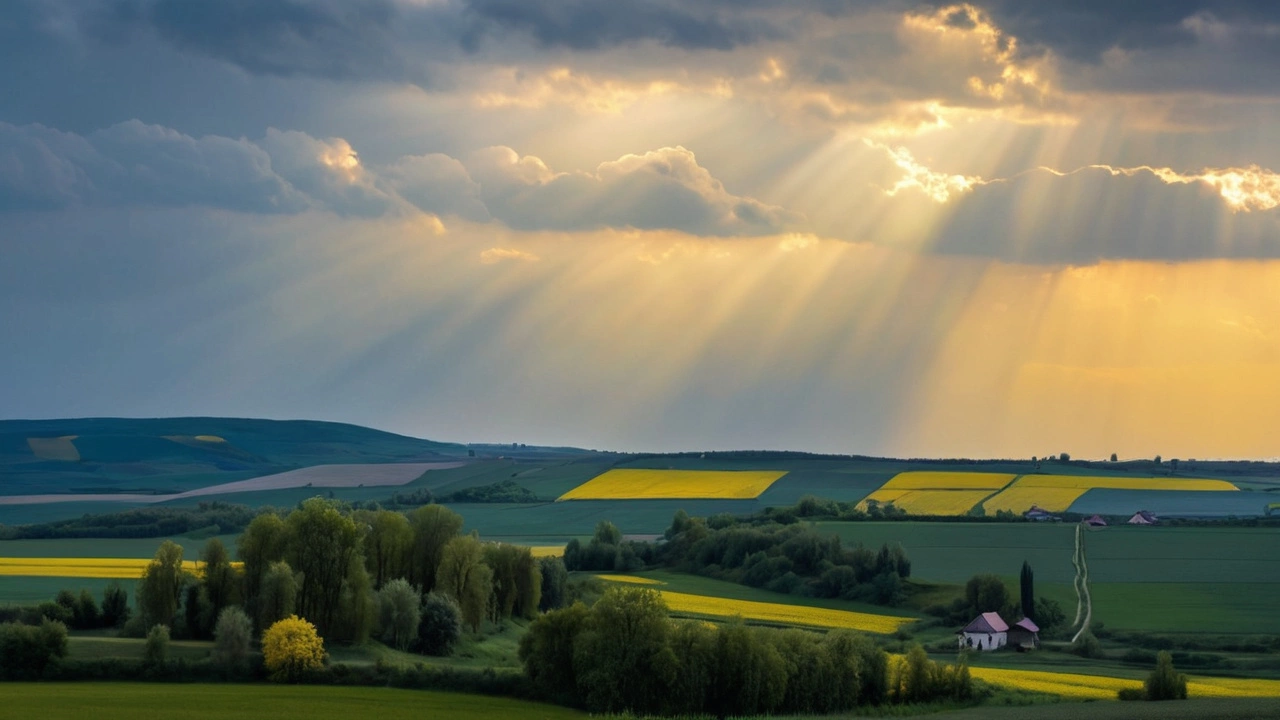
(633, 579)
(541, 551)
(632, 484)
(1097, 687)
(128, 568)
(1056, 493)
(781, 613)
(928, 480)
(1068, 685)
(210, 439)
(930, 502)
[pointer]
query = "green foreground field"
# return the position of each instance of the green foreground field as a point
(142, 701)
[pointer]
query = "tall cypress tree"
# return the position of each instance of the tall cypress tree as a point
(1028, 591)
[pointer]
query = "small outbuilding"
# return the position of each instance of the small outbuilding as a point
(1025, 634)
(1096, 521)
(1142, 517)
(988, 631)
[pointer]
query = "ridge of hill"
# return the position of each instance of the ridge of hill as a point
(115, 455)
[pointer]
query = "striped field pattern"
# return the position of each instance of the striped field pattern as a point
(634, 484)
(1056, 493)
(926, 480)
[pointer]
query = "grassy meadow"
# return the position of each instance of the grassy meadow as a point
(139, 701)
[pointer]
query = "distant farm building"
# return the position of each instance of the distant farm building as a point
(987, 632)
(1096, 521)
(1024, 634)
(1142, 517)
(1039, 514)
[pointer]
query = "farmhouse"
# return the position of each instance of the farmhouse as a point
(1038, 513)
(1142, 517)
(987, 632)
(1096, 521)
(1024, 634)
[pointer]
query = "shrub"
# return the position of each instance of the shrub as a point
(26, 650)
(232, 638)
(156, 651)
(1165, 683)
(1129, 694)
(290, 648)
(441, 625)
(1086, 646)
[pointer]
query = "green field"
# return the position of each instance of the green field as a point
(1218, 709)
(141, 701)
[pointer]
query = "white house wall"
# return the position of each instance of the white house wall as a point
(984, 641)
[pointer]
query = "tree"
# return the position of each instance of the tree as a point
(547, 651)
(399, 612)
(261, 543)
(1165, 683)
(1049, 615)
(463, 576)
(156, 652)
(440, 626)
(622, 659)
(1028, 594)
(986, 593)
(279, 590)
(291, 647)
(322, 542)
(607, 533)
(194, 613)
(87, 614)
(160, 589)
(554, 579)
(220, 582)
(433, 527)
(232, 638)
(386, 546)
(115, 605)
(1114, 458)
(1064, 457)
(517, 580)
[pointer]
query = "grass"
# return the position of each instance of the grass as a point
(496, 647)
(141, 701)
(104, 548)
(102, 647)
(640, 484)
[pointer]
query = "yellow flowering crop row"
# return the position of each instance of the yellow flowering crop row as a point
(1097, 687)
(541, 551)
(1019, 499)
(926, 480)
(1056, 493)
(633, 484)
(1122, 483)
(632, 579)
(781, 613)
(128, 568)
(1068, 685)
(929, 502)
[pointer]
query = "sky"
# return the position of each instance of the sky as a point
(997, 229)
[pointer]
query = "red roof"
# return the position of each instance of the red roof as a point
(1027, 624)
(987, 623)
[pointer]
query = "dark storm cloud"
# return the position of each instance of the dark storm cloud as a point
(589, 24)
(1083, 29)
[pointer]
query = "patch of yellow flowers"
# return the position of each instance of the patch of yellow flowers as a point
(124, 568)
(1100, 687)
(636, 484)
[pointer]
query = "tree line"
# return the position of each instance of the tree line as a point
(784, 558)
(208, 518)
(414, 579)
(624, 654)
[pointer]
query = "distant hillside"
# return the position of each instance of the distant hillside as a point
(176, 454)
